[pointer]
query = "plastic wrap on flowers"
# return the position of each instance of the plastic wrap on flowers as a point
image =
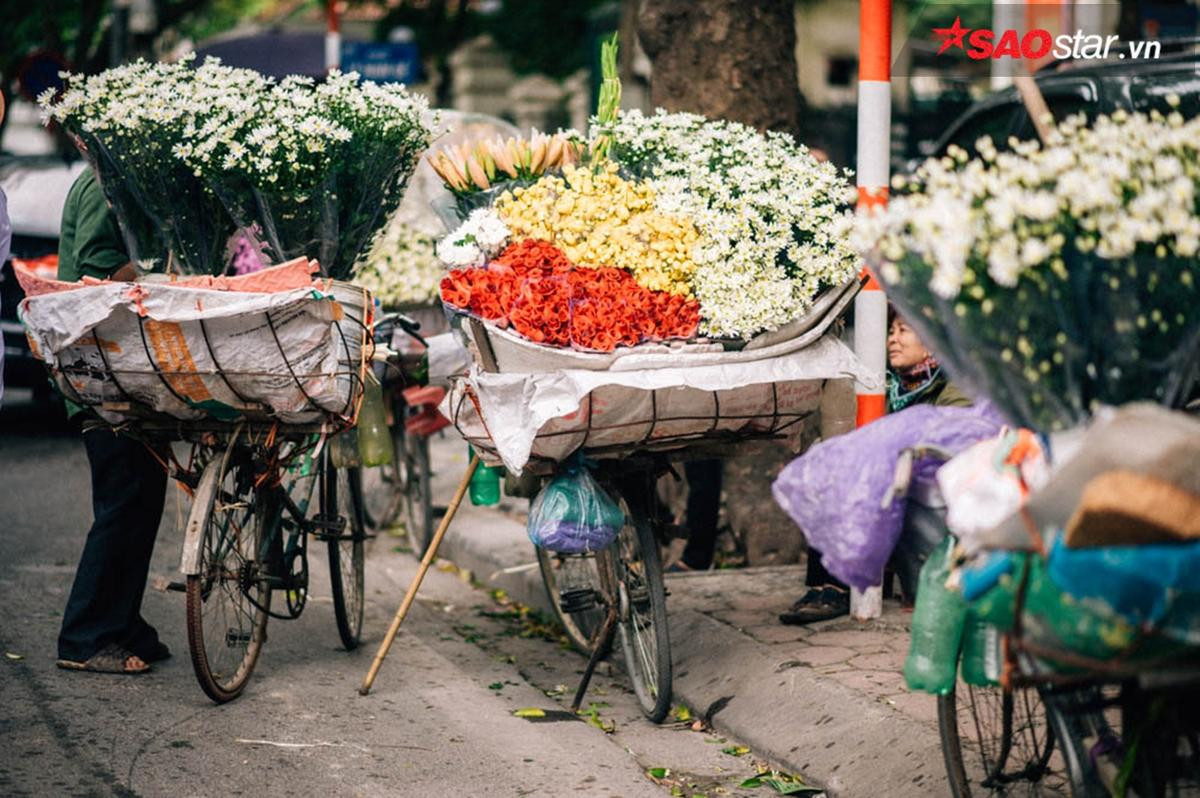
(1053, 347)
(835, 490)
(573, 514)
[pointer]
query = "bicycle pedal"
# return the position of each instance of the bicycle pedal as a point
(580, 600)
(236, 638)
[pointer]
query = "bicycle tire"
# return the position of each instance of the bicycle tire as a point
(582, 571)
(1021, 726)
(418, 493)
(341, 497)
(645, 637)
(229, 569)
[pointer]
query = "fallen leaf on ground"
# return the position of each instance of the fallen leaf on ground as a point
(530, 712)
(13, 656)
(736, 750)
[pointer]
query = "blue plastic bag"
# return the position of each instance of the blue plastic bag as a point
(573, 514)
(835, 489)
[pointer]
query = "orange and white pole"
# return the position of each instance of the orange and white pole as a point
(874, 151)
(333, 36)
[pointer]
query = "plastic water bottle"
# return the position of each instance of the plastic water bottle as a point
(981, 653)
(937, 627)
(485, 484)
(374, 437)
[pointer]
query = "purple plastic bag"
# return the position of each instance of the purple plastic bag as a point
(834, 490)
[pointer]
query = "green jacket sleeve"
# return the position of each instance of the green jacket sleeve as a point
(91, 243)
(952, 396)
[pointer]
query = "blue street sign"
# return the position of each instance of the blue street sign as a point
(382, 62)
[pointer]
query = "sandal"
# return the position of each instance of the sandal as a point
(110, 659)
(818, 604)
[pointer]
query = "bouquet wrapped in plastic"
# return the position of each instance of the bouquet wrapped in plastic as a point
(1053, 279)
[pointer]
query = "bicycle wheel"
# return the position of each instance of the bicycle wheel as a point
(575, 591)
(999, 742)
(643, 611)
(418, 493)
(341, 498)
(228, 600)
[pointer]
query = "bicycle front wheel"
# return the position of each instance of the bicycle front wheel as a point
(643, 611)
(341, 502)
(228, 598)
(999, 742)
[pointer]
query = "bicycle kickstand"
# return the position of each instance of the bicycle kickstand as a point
(599, 644)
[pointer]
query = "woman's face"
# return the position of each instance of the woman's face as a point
(905, 349)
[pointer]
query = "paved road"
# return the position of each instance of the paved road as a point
(439, 722)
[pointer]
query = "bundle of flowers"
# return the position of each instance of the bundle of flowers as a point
(400, 267)
(318, 167)
(773, 222)
(130, 120)
(535, 287)
(744, 228)
(314, 169)
(1054, 278)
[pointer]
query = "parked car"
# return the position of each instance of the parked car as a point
(36, 188)
(1091, 87)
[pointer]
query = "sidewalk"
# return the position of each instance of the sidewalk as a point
(827, 701)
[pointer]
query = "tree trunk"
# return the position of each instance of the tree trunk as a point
(733, 59)
(728, 59)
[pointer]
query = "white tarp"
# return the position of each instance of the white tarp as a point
(548, 415)
(191, 352)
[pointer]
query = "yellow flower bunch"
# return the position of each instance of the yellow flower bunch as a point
(601, 219)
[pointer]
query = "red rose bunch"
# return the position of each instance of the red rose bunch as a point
(547, 299)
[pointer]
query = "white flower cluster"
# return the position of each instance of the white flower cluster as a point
(400, 268)
(481, 237)
(773, 220)
(1128, 184)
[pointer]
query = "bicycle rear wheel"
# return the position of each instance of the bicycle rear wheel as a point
(418, 493)
(228, 599)
(575, 591)
(643, 610)
(999, 742)
(341, 500)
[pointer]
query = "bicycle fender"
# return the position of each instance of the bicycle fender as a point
(193, 537)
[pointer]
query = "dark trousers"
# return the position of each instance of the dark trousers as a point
(815, 574)
(703, 506)
(128, 491)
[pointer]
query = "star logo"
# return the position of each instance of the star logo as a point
(951, 36)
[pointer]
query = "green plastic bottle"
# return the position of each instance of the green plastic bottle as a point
(937, 627)
(485, 484)
(374, 437)
(981, 657)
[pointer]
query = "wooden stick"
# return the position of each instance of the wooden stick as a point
(426, 561)
(1035, 104)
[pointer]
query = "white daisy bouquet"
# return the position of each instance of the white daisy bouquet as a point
(131, 119)
(318, 167)
(1052, 278)
(773, 222)
(400, 267)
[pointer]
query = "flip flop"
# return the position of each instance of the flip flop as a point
(110, 659)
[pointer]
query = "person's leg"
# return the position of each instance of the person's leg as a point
(815, 574)
(105, 598)
(140, 637)
(703, 507)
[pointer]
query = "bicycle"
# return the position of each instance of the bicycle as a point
(617, 593)
(247, 540)
(405, 484)
(996, 740)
